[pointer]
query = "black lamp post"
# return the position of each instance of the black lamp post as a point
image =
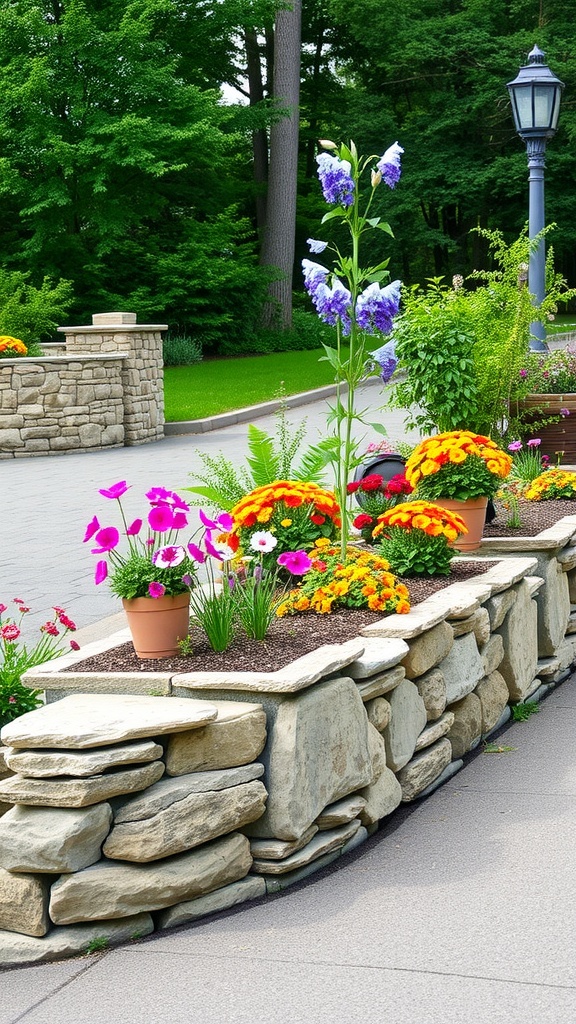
(535, 95)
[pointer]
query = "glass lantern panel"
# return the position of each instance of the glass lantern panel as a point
(543, 105)
(523, 102)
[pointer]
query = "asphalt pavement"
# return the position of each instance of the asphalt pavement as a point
(460, 910)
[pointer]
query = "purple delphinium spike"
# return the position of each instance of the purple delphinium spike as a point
(337, 184)
(389, 165)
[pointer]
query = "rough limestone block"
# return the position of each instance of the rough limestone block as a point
(5, 771)
(252, 887)
(499, 605)
(170, 790)
(39, 764)
(108, 890)
(71, 941)
(553, 603)
(99, 720)
(377, 750)
(379, 653)
(317, 753)
(492, 653)
(571, 577)
(23, 903)
(322, 844)
(43, 839)
(379, 713)
(69, 792)
(435, 731)
(421, 772)
(462, 669)
(339, 813)
(186, 823)
(408, 719)
(467, 727)
(376, 686)
(432, 689)
(493, 694)
(278, 849)
(477, 623)
(519, 632)
(382, 797)
(237, 737)
(428, 650)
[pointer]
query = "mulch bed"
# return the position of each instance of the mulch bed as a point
(297, 635)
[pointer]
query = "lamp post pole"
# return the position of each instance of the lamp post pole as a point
(535, 96)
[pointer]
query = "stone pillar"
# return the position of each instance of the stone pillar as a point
(142, 377)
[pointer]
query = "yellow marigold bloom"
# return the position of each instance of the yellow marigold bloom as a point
(402, 608)
(368, 589)
(302, 604)
(286, 522)
(264, 516)
(322, 542)
(456, 455)
(434, 529)
(451, 533)
(420, 522)
(429, 467)
(282, 609)
(376, 604)
(402, 591)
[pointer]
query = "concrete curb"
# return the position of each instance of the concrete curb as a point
(252, 412)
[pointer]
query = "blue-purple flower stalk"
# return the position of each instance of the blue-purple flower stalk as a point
(352, 299)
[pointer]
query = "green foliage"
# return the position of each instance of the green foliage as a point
(98, 944)
(463, 481)
(256, 596)
(271, 457)
(522, 712)
(214, 612)
(29, 313)
(434, 346)
(132, 577)
(552, 373)
(181, 350)
(414, 553)
(16, 699)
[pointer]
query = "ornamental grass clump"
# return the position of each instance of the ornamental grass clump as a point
(527, 462)
(376, 495)
(295, 512)
(361, 580)
(415, 538)
(458, 464)
(16, 657)
(553, 483)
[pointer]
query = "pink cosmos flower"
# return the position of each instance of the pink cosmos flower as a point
(156, 590)
(91, 529)
(161, 518)
(10, 632)
(196, 553)
(171, 555)
(296, 562)
(134, 528)
(50, 628)
(515, 446)
(534, 442)
(223, 522)
(106, 539)
(116, 491)
(101, 572)
(263, 540)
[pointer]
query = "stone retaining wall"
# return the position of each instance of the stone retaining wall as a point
(103, 390)
(134, 812)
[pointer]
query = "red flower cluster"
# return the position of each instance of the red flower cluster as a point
(374, 482)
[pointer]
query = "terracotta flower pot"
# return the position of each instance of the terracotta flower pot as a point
(157, 624)
(556, 437)
(473, 512)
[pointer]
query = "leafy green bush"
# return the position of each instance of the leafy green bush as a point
(181, 350)
(32, 314)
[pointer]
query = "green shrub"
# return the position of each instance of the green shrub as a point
(181, 350)
(32, 314)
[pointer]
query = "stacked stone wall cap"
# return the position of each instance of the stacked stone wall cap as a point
(94, 719)
(38, 764)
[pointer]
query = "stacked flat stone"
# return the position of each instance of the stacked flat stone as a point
(101, 842)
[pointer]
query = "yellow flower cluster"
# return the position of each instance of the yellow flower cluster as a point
(9, 345)
(363, 580)
(260, 504)
(425, 516)
(454, 447)
(553, 483)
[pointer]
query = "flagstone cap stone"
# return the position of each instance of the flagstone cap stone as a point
(94, 719)
(39, 764)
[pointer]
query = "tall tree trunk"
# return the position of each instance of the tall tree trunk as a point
(279, 235)
(259, 136)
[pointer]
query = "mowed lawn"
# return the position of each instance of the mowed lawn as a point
(221, 385)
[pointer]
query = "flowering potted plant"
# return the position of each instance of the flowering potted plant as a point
(549, 400)
(415, 538)
(11, 348)
(459, 470)
(154, 574)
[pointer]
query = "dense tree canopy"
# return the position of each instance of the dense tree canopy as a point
(123, 170)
